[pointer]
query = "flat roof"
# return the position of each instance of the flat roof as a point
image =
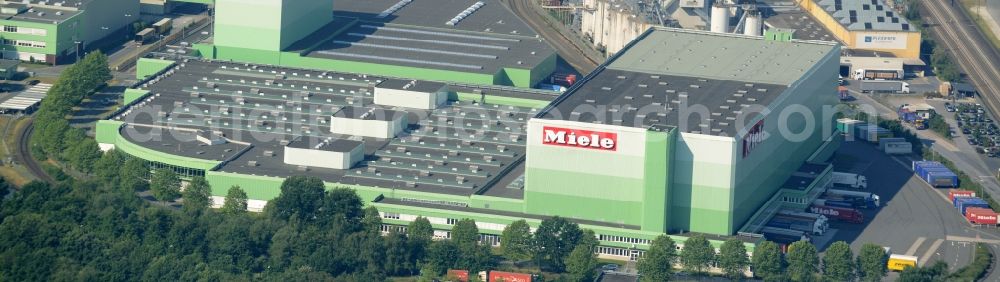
(669, 51)
(325, 144)
(392, 201)
(785, 14)
(411, 85)
(462, 148)
(865, 15)
(493, 17)
(39, 14)
(369, 113)
(699, 82)
(435, 48)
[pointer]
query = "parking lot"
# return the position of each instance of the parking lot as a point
(914, 218)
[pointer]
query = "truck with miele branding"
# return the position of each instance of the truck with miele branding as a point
(839, 213)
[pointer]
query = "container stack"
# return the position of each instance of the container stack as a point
(935, 174)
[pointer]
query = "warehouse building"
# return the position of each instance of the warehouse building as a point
(867, 25)
(52, 31)
(455, 40)
(613, 153)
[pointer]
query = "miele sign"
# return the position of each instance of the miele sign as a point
(579, 138)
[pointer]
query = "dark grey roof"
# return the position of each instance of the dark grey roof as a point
(493, 17)
(411, 85)
(43, 15)
(329, 144)
(865, 15)
(433, 48)
(806, 28)
(459, 149)
(645, 100)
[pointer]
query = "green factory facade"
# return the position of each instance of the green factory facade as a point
(50, 32)
(617, 153)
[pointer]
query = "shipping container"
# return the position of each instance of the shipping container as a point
(509, 276)
(898, 148)
(839, 213)
(871, 133)
(959, 193)
(981, 216)
(882, 86)
(935, 174)
(461, 275)
(846, 125)
(962, 204)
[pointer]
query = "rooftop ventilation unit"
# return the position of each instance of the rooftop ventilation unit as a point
(465, 13)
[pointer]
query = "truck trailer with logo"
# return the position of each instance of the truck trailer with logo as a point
(873, 74)
(839, 213)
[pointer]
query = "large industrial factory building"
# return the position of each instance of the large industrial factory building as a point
(682, 132)
(477, 42)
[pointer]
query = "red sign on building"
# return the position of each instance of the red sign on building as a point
(580, 138)
(753, 138)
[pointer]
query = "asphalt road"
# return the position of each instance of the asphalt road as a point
(914, 219)
(566, 47)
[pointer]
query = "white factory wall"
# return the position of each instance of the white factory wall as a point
(323, 158)
(410, 99)
(368, 128)
(610, 25)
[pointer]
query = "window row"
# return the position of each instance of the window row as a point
(25, 30)
(623, 239)
(24, 43)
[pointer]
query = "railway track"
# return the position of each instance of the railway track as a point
(570, 52)
(24, 154)
(968, 47)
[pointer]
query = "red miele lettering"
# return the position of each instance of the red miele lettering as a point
(579, 138)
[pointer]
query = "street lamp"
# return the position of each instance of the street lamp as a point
(79, 48)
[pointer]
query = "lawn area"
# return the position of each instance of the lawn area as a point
(16, 174)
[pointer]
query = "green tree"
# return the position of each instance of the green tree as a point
(515, 241)
(133, 174)
(397, 254)
(871, 262)
(555, 238)
(236, 201)
(198, 195)
(420, 229)
(767, 261)
(301, 197)
(107, 168)
(479, 258)
(936, 272)
(697, 255)
(733, 259)
(165, 184)
(83, 155)
(465, 234)
(803, 261)
(838, 262)
(657, 264)
(441, 256)
(581, 263)
(340, 205)
(372, 220)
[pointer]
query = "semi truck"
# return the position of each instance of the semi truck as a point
(871, 133)
(784, 236)
(884, 86)
(900, 262)
(820, 222)
(839, 213)
(981, 216)
(871, 200)
(163, 26)
(911, 117)
(852, 180)
(841, 203)
(870, 74)
(812, 226)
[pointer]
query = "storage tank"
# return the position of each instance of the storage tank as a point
(720, 17)
(754, 23)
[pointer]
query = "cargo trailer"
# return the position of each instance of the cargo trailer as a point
(981, 216)
(935, 174)
(884, 86)
(953, 193)
(846, 125)
(872, 74)
(871, 133)
(784, 236)
(963, 204)
(842, 203)
(839, 213)
(509, 276)
(871, 199)
(852, 180)
(811, 225)
(898, 148)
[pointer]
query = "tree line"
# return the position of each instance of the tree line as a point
(53, 136)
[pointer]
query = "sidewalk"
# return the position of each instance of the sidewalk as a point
(988, 18)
